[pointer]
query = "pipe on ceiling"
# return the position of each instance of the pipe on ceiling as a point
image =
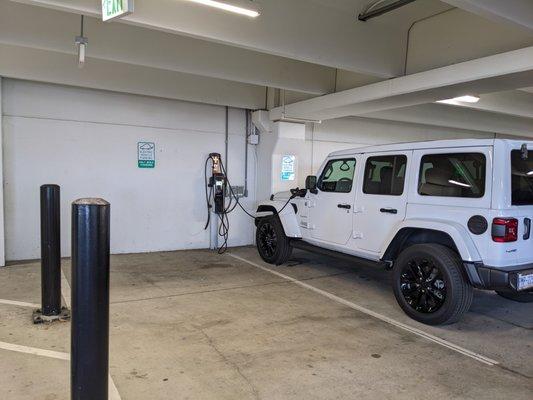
(376, 12)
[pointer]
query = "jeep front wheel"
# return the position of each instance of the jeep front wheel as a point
(272, 244)
(429, 284)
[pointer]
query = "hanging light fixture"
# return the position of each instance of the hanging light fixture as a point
(81, 43)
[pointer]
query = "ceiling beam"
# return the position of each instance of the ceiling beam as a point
(297, 29)
(55, 67)
(519, 12)
(512, 102)
(495, 73)
(459, 118)
(41, 28)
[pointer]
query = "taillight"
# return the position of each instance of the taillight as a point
(504, 230)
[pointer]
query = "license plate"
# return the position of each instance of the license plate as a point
(524, 281)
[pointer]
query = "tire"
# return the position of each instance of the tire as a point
(429, 284)
(272, 244)
(521, 297)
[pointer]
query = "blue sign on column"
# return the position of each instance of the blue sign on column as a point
(288, 168)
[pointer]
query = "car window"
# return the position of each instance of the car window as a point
(385, 175)
(452, 175)
(337, 176)
(522, 178)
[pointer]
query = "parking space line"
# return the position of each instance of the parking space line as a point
(34, 351)
(113, 392)
(364, 310)
(66, 292)
(19, 303)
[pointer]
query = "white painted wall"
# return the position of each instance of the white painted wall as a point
(85, 140)
(282, 139)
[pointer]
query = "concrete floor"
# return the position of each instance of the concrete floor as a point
(195, 325)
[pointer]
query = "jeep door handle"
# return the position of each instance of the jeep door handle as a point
(346, 206)
(388, 210)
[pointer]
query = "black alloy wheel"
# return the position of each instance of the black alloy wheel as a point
(430, 285)
(268, 240)
(423, 285)
(272, 244)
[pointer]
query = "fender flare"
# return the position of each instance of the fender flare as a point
(461, 238)
(287, 217)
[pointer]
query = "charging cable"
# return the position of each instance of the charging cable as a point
(223, 229)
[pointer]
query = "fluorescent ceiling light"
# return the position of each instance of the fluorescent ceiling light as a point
(529, 173)
(228, 7)
(460, 99)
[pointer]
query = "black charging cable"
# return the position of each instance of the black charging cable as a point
(223, 230)
(207, 196)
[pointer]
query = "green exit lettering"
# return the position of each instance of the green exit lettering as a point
(116, 8)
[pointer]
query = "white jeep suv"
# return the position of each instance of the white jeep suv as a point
(446, 216)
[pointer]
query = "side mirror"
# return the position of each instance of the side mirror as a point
(310, 184)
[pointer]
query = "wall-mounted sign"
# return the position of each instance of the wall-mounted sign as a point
(288, 168)
(112, 9)
(146, 154)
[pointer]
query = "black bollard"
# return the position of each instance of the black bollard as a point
(50, 257)
(90, 300)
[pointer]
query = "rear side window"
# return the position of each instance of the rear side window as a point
(452, 175)
(337, 176)
(385, 175)
(522, 178)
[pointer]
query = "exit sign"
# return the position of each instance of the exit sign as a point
(112, 9)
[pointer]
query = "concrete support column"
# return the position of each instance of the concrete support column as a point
(2, 231)
(278, 139)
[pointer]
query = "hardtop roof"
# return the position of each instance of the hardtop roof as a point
(428, 144)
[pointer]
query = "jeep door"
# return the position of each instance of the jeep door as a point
(330, 212)
(381, 199)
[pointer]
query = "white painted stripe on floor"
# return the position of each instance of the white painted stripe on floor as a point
(65, 289)
(19, 303)
(66, 292)
(34, 351)
(113, 392)
(416, 331)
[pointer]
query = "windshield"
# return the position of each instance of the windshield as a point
(522, 177)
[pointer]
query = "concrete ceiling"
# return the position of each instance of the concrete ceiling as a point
(400, 19)
(518, 12)
(392, 67)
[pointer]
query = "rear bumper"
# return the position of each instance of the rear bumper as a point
(492, 278)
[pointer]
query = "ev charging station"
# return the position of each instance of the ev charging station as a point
(215, 199)
(280, 157)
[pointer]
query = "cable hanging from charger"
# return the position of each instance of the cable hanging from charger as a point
(216, 190)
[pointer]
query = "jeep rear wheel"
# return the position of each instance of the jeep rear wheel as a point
(429, 284)
(272, 244)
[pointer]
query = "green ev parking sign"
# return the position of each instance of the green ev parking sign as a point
(146, 154)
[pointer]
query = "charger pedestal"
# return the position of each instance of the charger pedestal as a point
(213, 231)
